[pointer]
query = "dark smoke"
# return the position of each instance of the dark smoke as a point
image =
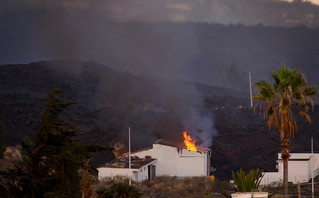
(141, 36)
(172, 41)
(165, 107)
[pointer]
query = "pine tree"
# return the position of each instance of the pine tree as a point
(53, 161)
(2, 139)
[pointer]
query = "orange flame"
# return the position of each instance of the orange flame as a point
(189, 142)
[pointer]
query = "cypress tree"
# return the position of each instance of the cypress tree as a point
(2, 140)
(52, 162)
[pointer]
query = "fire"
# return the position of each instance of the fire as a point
(189, 142)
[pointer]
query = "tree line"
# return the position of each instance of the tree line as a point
(54, 162)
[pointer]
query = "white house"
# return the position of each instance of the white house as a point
(163, 158)
(300, 166)
(173, 159)
(141, 169)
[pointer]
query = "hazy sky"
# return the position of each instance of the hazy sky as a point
(33, 30)
(220, 11)
(312, 1)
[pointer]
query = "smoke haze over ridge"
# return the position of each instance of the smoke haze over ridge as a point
(176, 40)
(173, 38)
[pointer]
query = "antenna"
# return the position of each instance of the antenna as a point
(251, 94)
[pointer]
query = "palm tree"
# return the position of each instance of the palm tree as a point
(279, 102)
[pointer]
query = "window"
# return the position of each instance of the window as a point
(151, 172)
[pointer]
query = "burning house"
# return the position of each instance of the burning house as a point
(174, 159)
(163, 158)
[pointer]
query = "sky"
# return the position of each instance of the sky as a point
(35, 30)
(31, 28)
(312, 1)
(223, 11)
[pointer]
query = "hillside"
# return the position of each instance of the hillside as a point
(191, 51)
(109, 101)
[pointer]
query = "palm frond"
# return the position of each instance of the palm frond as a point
(265, 91)
(277, 101)
(310, 91)
(304, 114)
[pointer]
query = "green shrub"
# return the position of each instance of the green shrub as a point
(291, 187)
(249, 182)
(120, 190)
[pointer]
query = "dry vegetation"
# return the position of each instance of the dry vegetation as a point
(305, 188)
(194, 187)
(165, 186)
(12, 156)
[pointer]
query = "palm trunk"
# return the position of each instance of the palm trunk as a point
(285, 155)
(285, 151)
(285, 184)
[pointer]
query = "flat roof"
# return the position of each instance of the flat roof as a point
(136, 163)
(297, 160)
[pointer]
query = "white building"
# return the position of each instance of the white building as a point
(172, 159)
(300, 166)
(141, 169)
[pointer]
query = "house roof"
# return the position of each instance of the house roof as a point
(305, 159)
(296, 160)
(180, 145)
(138, 150)
(136, 163)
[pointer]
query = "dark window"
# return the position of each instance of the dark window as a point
(151, 172)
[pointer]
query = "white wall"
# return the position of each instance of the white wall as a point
(172, 161)
(137, 175)
(271, 177)
(112, 172)
(298, 171)
(141, 175)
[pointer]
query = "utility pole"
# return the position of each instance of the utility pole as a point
(311, 164)
(251, 93)
(129, 155)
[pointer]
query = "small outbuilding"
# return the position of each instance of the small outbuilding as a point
(141, 169)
